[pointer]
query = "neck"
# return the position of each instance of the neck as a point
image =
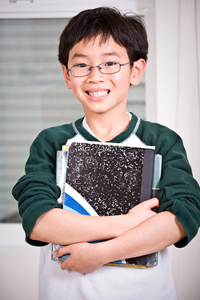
(106, 127)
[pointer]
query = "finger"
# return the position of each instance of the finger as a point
(63, 250)
(64, 265)
(154, 202)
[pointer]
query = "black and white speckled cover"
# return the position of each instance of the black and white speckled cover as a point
(110, 177)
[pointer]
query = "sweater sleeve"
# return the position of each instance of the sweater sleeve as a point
(179, 191)
(37, 192)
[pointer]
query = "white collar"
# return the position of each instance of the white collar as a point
(85, 125)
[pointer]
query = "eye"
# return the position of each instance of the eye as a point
(81, 65)
(110, 64)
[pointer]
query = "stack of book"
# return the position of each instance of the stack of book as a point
(104, 179)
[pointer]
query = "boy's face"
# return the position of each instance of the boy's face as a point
(100, 93)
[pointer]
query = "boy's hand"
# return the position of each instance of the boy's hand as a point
(143, 211)
(83, 257)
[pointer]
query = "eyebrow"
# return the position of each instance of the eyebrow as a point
(78, 55)
(104, 54)
(111, 54)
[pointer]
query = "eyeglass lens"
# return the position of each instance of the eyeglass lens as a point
(105, 68)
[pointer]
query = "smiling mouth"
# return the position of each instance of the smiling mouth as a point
(98, 94)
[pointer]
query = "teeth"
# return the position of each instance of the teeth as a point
(98, 94)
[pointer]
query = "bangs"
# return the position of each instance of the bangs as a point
(127, 31)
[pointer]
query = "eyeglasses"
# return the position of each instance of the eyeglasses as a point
(110, 67)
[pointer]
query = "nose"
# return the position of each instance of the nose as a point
(95, 75)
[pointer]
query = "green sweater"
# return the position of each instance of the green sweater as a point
(179, 193)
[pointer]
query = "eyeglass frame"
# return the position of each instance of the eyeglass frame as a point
(90, 69)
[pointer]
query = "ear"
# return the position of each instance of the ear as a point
(66, 77)
(138, 69)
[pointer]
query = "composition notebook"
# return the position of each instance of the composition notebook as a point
(103, 179)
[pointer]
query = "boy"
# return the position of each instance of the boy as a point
(102, 52)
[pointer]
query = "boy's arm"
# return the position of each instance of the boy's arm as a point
(154, 234)
(62, 227)
(37, 192)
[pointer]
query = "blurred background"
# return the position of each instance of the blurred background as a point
(34, 96)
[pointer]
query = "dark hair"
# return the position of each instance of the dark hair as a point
(126, 30)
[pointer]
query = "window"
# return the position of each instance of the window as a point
(34, 96)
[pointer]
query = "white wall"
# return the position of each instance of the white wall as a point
(161, 97)
(18, 265)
